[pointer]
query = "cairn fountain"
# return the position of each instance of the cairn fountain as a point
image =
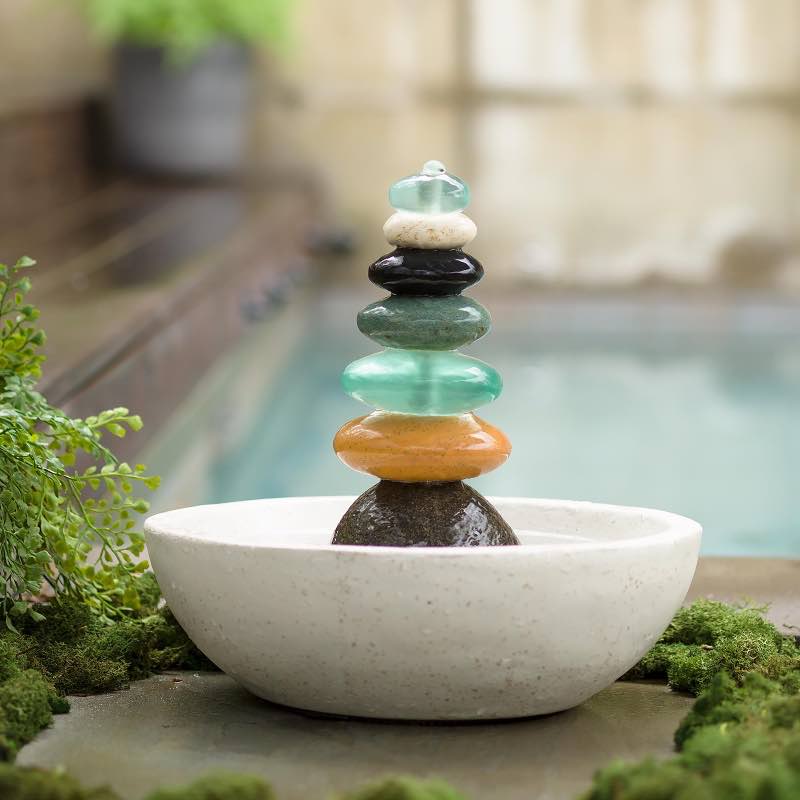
(421, 599)
(424, 440)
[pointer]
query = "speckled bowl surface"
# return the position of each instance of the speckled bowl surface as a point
(423, 633)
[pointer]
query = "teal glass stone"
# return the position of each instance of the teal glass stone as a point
(424, 323)
(425, 382)
(432, 191)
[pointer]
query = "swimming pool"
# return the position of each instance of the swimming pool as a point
(687, 406)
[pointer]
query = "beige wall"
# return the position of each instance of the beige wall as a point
(606, 141)
(363, 69)
(47, 54)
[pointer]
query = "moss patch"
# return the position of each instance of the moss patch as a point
(741, 739)
(737, 743)
(71, 651)
(17, 783)
(101, 658)
(79, 654)
(709, 637)
(406, 789)
(25, 783)
(10, 658)
(27, 702)
(22, 783)
(219, 786)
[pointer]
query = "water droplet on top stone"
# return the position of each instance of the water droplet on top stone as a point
(432, 191)
(433, 167)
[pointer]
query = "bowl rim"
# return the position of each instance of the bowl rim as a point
(676, 528)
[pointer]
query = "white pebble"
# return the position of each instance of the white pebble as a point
(429, 231)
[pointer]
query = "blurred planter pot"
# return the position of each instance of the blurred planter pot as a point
(186, 118)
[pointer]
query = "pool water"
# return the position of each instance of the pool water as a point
(695, 413)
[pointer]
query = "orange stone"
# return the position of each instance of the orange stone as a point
(411, 448)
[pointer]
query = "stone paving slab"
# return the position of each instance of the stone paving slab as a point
(176, 727)
(173, 728)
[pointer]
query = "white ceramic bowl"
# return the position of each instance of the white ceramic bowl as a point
(423, 633)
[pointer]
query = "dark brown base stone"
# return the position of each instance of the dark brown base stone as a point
(392, 514)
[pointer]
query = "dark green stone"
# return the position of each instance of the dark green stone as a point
(392, 514)
(424, 323)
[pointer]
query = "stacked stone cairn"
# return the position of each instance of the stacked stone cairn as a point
(423, 440)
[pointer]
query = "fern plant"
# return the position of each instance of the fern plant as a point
(68, 527)
(183, 27)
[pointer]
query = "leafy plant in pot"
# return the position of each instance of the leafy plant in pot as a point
(182, 78)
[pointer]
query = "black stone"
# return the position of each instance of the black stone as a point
(413, 271)
(392, 514)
